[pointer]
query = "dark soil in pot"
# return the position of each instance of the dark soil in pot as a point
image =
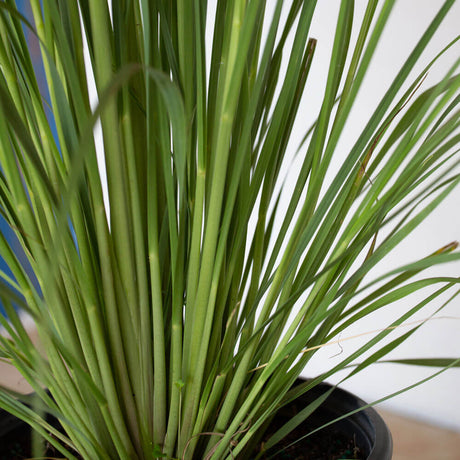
(362, 436)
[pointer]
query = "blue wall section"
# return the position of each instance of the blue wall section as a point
(24, 8)
(4, 228)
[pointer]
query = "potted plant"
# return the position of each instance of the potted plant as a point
(177, 307)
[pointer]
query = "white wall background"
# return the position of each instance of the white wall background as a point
(437, 401)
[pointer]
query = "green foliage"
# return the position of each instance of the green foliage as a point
(172, 328)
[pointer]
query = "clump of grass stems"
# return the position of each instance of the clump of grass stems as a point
(172, 328)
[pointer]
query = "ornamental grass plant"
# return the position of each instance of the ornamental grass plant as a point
(172, 328)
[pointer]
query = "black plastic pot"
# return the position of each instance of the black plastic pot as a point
(14, 437)
(366, 433)
(363, 435)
